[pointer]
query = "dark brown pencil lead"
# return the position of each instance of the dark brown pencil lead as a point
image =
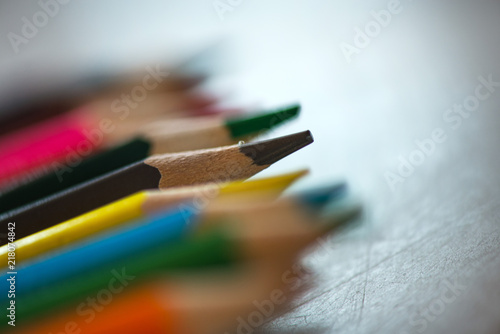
(270, 151)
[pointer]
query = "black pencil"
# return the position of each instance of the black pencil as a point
(156, 172)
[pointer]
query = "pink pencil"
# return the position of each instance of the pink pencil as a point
(29, 149)
(84, 131)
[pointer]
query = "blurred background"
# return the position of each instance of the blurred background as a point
(374, 79)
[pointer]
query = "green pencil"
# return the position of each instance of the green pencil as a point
(225, 243)
(205, 134)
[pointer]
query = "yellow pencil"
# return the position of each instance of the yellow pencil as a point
(139, 205)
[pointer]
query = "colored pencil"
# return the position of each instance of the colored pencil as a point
(40, 106)
(224, 242)
(158, 171)
(129, 239)
(205, 131)
(180, 136)
(211, 303)
(88, 117)
(199, 252)
(78, 134)
(139, 205)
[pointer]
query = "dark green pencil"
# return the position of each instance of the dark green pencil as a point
(210, 132)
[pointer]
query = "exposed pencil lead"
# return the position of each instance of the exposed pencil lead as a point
(269, 184)
(318, 197)
(246, 125)
(270, 151)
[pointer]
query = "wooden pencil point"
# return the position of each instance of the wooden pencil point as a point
(270, 151)
(317, 198)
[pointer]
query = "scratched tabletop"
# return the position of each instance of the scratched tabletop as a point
(412, 122)
(403, 99)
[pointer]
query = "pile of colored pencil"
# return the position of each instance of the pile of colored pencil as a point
(140, 219)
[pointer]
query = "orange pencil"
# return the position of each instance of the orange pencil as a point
(184, 305)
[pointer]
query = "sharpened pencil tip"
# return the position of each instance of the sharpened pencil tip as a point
(270, 151)
(247, 125)
(318, 197)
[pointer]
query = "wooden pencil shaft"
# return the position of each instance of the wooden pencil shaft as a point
(163, 171)
(212, 249)
(265, 227)
(78, 200)
(61, 179)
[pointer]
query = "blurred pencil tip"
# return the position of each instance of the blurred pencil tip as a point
(270, 151)
(246, 125)
(318, 197)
